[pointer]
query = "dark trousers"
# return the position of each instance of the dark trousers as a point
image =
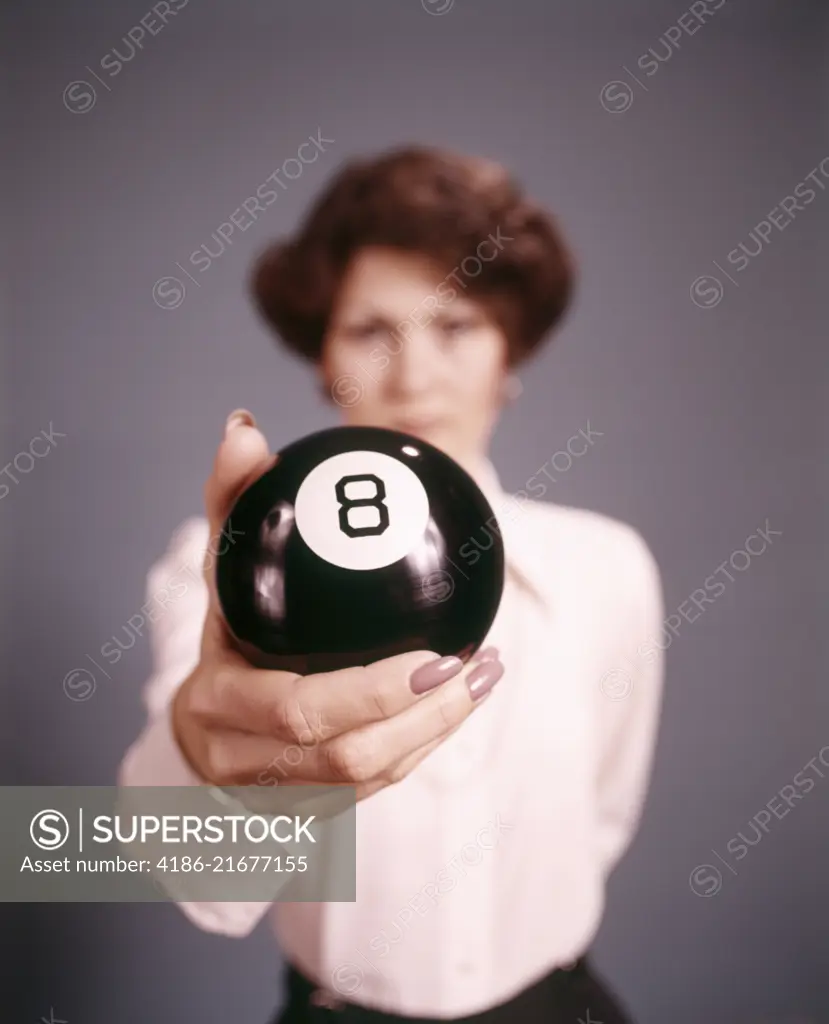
(574, 996)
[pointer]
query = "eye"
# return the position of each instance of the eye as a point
(370, 330)
(455, 327)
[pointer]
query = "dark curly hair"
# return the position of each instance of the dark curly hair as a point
(436, 203)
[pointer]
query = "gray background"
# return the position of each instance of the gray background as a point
(713, 419)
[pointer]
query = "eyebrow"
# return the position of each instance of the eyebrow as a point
(371, 313)
(365, 316)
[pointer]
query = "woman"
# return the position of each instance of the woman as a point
(490, 812)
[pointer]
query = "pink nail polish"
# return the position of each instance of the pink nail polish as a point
(428, 676)
(483, 678)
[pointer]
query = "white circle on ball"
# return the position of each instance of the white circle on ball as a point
(362, 510)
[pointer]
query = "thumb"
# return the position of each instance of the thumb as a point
(242, 457)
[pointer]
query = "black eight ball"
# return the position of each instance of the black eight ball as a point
(349, 550)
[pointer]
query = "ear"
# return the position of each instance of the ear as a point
(511, 387)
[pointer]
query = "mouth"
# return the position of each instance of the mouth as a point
(419, 424)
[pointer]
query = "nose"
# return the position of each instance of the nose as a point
(413, 367)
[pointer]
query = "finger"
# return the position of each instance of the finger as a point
(378, 692)
(322, 706)
(247, 759)
(384, 750)
(244, 759)
(242, 457)
(406, 766)
(362, 754)
(395, 775)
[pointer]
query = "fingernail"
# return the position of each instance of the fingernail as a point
(428, 676)
(487, 654)
(483, 678)
(239, 418)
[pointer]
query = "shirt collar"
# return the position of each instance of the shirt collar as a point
(521, 550)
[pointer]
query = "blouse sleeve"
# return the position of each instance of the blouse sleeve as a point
(177, 596)
(630, 696)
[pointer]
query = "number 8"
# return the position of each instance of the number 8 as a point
(376, 501)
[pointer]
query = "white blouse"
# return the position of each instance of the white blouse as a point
(485, 867)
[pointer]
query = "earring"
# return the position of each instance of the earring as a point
(512, 387)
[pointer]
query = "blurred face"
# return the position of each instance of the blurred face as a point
(406, 349)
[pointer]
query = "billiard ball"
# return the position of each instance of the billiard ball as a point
(348, 550)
